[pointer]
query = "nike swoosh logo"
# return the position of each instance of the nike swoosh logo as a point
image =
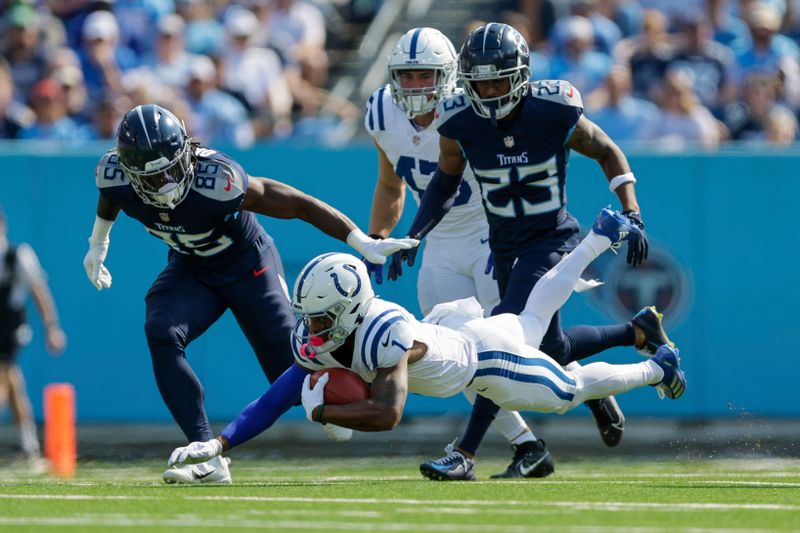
(483, 389)
(525, 470)
(257, 273)
(202, 476)
(385, 344)
(484, 241)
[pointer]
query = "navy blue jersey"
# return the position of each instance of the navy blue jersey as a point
(521, 170)
(208, 230)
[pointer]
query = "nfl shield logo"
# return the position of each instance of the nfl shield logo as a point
(509, 141)
(164, 217)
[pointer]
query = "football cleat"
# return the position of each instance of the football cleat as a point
(609, 418)
(616, 226)
(212, 471)
(649, 321)
(452, 467)
(673, 384)
(531, 459)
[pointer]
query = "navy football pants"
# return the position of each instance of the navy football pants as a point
(180, 308)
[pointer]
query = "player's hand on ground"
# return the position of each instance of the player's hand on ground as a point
(196, 452)
(379, 249)
(313, 397)
(637, 248)
(98, 274)
(396, 266)
(337, 433)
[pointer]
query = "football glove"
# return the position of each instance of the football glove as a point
(396, 266)
(98, 274)
(196, 452)
(378, 250)
(637, 248)
(374, 270)
(337, 433)
(313, 397)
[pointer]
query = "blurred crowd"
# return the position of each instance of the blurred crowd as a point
(674, 72)
(237, 72)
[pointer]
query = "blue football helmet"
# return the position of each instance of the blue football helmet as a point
(156, 154)
(492, 52)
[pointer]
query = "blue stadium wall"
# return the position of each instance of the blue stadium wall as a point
(723, 266)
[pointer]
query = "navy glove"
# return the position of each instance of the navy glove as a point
(374, 270)
(396, 266)
(637, 248)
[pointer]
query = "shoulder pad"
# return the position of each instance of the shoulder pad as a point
(449, 107)
(558, 91)
(108, 172)
(219, 177)
(380, 111)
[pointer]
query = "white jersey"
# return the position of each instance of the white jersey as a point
(414, 154)
(383, 337)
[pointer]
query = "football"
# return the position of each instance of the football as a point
(343, 386)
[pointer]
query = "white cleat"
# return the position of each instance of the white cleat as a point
(212, 471)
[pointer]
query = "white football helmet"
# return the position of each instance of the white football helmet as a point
(423, 49)
(335, 286)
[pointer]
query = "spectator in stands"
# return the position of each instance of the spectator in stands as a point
(14, 116)
(297, 29)
(204, 34)
(768, 47)
(73, 13)
(22, 49)
(648, 55)
(106, 117)
(49, 104)
(140, 17)
(747, 119)
(707, 63)
(626, 14)
(71, 80)
(217, 117)
(683, 119)
(20, 274)
(728, 29)
(170, 62)
(102, 58)
(606, 33)
(539, 63)
(579, 63)
(781, 127)
(622, 116)
(255, 74)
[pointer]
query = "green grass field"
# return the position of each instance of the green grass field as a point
(388, 494)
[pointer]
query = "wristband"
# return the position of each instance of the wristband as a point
(358, 240)
(100, 231)
(622, 179)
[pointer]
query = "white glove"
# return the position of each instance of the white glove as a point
(98, 274)
(313, 397)
(196, 452)
(377, 250)
(337, 433)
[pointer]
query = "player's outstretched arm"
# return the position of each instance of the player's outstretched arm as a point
(253, 420)
(384, 409)
(98, 274)
(278, 200)
(388, 199)
(590, 140)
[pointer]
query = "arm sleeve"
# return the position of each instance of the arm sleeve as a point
(265, 410)
(436, 202)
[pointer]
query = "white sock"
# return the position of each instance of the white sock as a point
(29, 439)
(602, 379)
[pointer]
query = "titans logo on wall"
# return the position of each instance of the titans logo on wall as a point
(661, 281)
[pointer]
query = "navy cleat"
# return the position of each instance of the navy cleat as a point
(609, 419)
(531, 459)
(649, 321)
(616, 226)
(673, 384)
(452, 467)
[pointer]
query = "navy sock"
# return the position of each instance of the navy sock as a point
(181, 390)
(581, 342)
(483, 414)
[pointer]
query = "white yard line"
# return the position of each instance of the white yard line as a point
(584, 505)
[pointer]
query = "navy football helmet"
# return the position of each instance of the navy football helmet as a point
(156, 155)
(493, 52)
